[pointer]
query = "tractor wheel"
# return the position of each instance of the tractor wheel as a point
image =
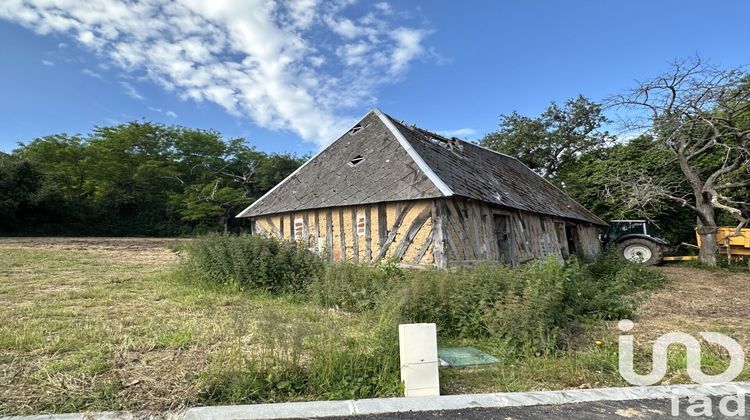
(640, 251)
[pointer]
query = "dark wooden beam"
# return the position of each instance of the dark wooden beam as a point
(368, 235)
(425, 246)
(392, 233)
(329, 233)
(414, 228)
(355, 237)
(342, 233)
(454, 210)
(437, 236)
(382, 225)
(316, 234)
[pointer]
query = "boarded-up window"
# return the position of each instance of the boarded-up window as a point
(299, 226)
(361, 223)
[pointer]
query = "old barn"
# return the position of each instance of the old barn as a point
(386, 189)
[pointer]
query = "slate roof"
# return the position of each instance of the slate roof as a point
(403, 162)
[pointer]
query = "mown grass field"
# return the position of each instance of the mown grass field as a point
(105, 324)
(101, 324)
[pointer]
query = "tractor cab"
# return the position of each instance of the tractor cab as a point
(620, 228)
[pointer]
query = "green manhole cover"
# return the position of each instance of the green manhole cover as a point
(465, 356)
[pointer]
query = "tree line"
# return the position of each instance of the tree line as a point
(139, 178)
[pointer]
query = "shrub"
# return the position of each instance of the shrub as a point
(519, 306)
(607, 287)
(523, 307)
(520, 310)
(252, 262)
(355, 287)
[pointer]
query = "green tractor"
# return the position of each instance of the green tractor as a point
(633, 242)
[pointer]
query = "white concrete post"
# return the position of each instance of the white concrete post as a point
(419, 359)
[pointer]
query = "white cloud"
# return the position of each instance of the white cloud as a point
(460, 132)
(130, 90)
(346, 28)
(170, 114)
(384, 7)
(89, 72)
(302, 13)
(48, 63)
(408, 46)
(304, 66)
(354, 54)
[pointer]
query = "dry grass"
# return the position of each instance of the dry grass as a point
(100, 324)
(699, 300)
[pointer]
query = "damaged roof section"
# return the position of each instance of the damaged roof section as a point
(381, 159)
(476, 172)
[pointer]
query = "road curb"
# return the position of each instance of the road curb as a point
(349, 408)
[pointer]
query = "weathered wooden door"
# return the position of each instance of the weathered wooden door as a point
(504, 238)
(571, 233)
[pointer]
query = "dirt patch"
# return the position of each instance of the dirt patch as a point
(698, 300)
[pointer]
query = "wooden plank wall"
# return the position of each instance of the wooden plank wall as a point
(589, 238)
(366, 233)
(469, 230)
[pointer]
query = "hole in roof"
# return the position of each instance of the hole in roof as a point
(357, 128)
(354, 162)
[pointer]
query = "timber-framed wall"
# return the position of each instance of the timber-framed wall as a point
(443, 232)
(367, 233)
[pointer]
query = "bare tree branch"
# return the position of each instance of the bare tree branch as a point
(693, 110)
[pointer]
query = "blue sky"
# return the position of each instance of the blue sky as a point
(291, 76)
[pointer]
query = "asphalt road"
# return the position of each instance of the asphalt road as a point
(637, 409)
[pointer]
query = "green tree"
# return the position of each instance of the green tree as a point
(20, 191)
(64, 160)
(233, 182)
(551, 140)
